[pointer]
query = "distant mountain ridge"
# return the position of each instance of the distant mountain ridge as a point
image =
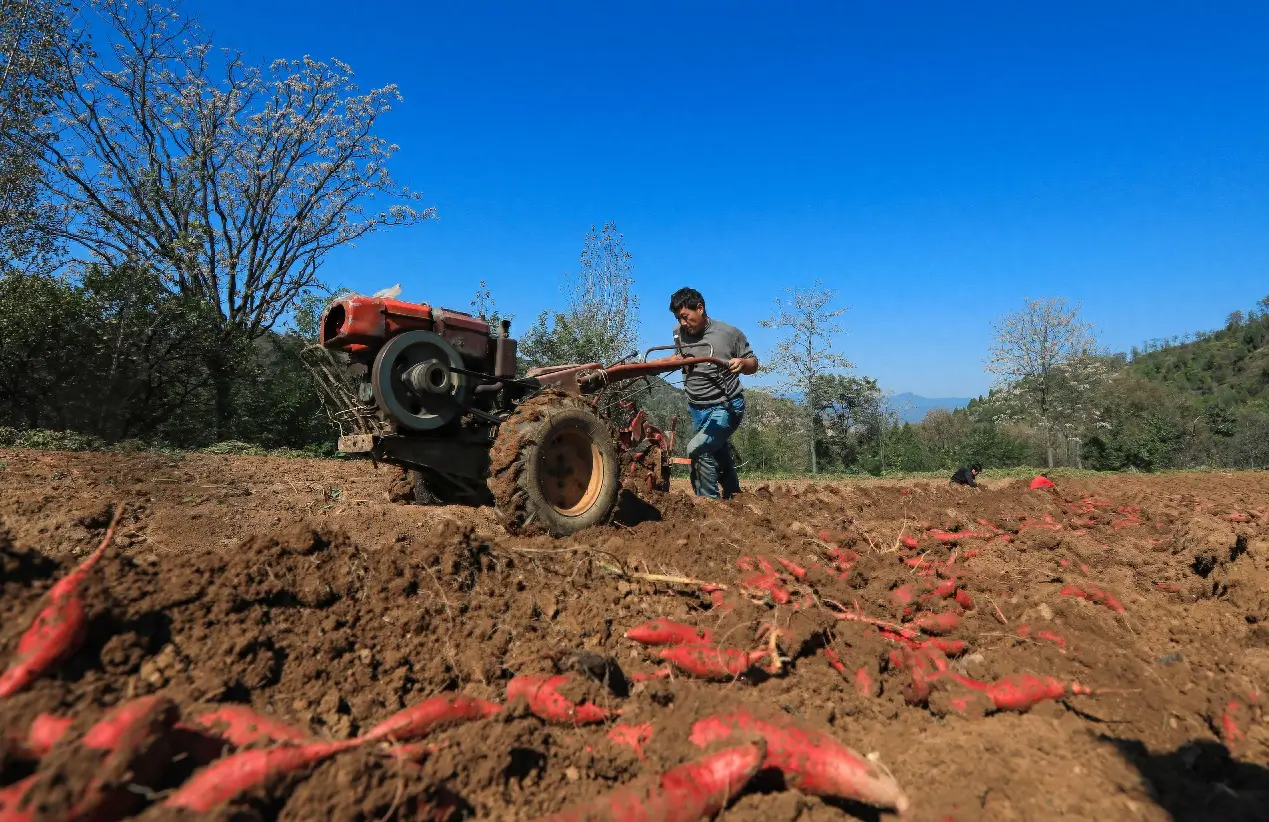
(913, 407)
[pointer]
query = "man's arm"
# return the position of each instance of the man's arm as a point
(742, 359)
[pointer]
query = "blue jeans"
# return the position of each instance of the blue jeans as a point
(711, 457)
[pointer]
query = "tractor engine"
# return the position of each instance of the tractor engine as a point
(421, 387)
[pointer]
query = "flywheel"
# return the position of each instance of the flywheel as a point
(415, 384)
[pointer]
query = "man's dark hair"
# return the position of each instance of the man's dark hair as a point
(686, 298)
(976, 468)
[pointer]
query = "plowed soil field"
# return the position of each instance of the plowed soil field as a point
(1098, 651)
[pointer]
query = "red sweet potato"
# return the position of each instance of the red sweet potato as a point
(108, 733)
(769, 582)
(946, 589)
(811, 760)
(900, 639)
(631, 736)
(45, 732)
(225, 779)
(1026, 632)
(950, 647)
(660, 673)
(11, 798)
(1095, 595)
(909, 542)
(835, 661)
(422, 718)
(668, 632)
(59, 627)
(686, 793)
(1022, 691)
(938, 624)
(1233, 721)
(708, 662)
(241, 726)
(925, 665)
(866, 684)
(136, 738)
(954, 536)
(903, 596)
(793, 568)
(541, 692)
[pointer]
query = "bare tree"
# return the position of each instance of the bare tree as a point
(233, 181)
(1033, 350)
(805, 353)
(484, 305)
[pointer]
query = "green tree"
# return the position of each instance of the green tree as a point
(773, 437)
(44, 320)
(849, 415)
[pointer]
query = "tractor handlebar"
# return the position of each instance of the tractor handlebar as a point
(596, 380)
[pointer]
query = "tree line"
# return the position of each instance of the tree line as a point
(166, 207)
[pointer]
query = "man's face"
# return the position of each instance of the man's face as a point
(692, 320)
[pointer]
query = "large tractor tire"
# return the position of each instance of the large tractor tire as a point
(554, 465)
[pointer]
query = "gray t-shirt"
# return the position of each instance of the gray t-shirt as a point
(708, 384)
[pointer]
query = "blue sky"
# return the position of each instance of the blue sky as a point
(934, 162)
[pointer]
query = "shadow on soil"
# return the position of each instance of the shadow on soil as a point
(632, 510)
(1200, 781)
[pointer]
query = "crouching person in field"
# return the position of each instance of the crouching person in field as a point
(714, 394)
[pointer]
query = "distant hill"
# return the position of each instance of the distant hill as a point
(1229, 366)
(914, 407)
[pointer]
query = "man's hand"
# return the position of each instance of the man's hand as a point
(742, 365)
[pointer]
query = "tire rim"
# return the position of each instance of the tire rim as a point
(572, 472)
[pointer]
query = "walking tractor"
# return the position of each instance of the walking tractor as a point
(436, 392)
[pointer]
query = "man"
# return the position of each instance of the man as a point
(714, 395)
(966, 476)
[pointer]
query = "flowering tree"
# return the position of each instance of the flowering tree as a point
(1045, 355)
(805, 354)
(232, 181)
(30, 31)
